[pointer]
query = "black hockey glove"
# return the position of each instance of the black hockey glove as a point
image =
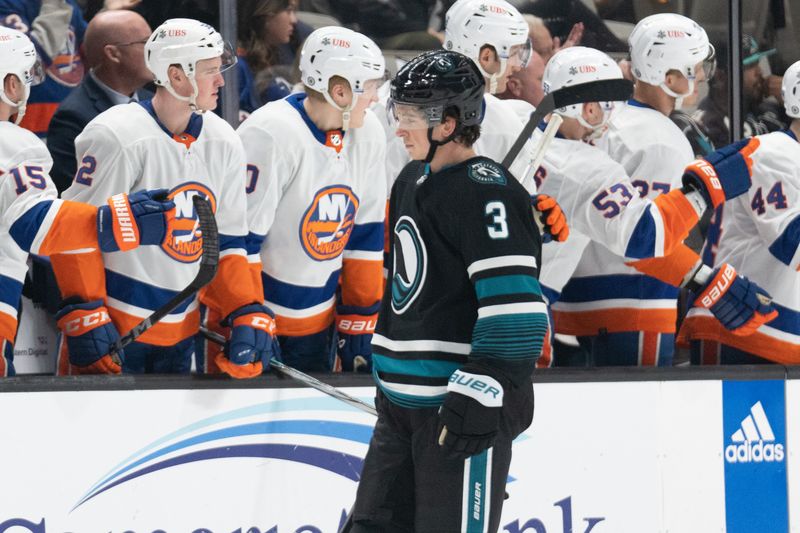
(469, 418)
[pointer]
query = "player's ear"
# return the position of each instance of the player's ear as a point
(448, 126)
(340, 92)
(488, 59)
(514, 86)
(12, 86)
(591, 112)
(175, 74)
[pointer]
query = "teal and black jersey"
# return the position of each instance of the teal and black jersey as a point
(462, 281)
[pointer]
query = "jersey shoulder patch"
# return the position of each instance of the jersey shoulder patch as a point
(487, 172)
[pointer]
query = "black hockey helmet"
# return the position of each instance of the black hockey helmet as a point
(440, 79)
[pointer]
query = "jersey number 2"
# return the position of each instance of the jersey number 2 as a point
(498, 229)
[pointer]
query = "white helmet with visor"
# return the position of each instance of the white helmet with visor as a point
(18, 57)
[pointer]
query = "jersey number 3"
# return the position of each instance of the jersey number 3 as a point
(498, 229)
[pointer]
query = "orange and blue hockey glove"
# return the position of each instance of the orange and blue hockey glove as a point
(90, 334)
(738, 303)
(130, 220)
(355, 326)
(252, 343)
(723, 174)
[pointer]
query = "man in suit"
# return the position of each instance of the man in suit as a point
(114, 50)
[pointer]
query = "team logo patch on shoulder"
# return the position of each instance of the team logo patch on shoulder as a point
(328, 222)
(184, 241)
(410, 264)
(486, 172)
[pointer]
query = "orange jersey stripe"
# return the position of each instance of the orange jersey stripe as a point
(161, 333)
(587, 323)
(649, 348)
(80, 275)
(362, 282)
(760, 344)
(679, 218)
(671, 268)
(232, 287)
(8, 327)
(297, 327)
(74, 228)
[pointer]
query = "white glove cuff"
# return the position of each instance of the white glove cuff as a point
(482, 388)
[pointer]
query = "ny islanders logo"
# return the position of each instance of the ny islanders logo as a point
(328, 222)
(184, 241)
(410, 264)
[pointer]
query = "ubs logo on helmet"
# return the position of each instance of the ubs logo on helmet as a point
(328, 222)
(335, 41)
(184, 241)
(674, 34)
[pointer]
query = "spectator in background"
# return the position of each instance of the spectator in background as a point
(265, 26)
(762, 111)
(114, 51)
(526, 84)
(56, 27)
(543, 41)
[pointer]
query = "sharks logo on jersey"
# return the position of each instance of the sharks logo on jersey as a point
(184, 241)
(410, 264)
(328, 222)
(486, 172)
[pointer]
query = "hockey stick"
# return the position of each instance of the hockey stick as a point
(593, 91)
(208, 269)
(302, 377)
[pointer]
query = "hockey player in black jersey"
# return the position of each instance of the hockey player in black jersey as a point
(461, 323)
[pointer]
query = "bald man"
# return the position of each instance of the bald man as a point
(114, 51)
(526, 84)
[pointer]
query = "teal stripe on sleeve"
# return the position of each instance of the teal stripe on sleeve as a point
(503, 285)
(419, 367)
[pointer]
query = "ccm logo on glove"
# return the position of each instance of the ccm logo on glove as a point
(714, 292)
(484, 389)
(78, 326)
(263, 322)
(125, 230)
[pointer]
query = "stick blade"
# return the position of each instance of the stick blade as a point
(208, 226)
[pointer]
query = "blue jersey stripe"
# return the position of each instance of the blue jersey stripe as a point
(785, 246)
(10, 291)
(504, 285)
(231, 242)
(25, 228)
(643, 239)
(788, 320)
(614, 286)
(366, 237)
(418, 367)
(298, 296)
(134, 292)
(253, 243)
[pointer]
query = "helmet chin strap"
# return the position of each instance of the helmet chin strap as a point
(345, 110)
(678, 97)
(493, 78)
(21, 106)
(191, 99)
(433, 145)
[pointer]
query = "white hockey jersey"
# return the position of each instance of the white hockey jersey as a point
(316, 204)
(653, 152)
(32, 218)
(603, 209)
(761, 238)
(501, 125)
(126, 149)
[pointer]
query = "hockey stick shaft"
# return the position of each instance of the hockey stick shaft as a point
(302, 377)
(541, 148)
(208, 269)
(594, 91)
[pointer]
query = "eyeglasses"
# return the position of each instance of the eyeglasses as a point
(140, 41)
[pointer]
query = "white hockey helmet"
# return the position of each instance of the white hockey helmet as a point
(668, 41)
(18, 57)
(184, 42)
(336, 51)
(790, 90)
(575, 65)
(472, 24)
